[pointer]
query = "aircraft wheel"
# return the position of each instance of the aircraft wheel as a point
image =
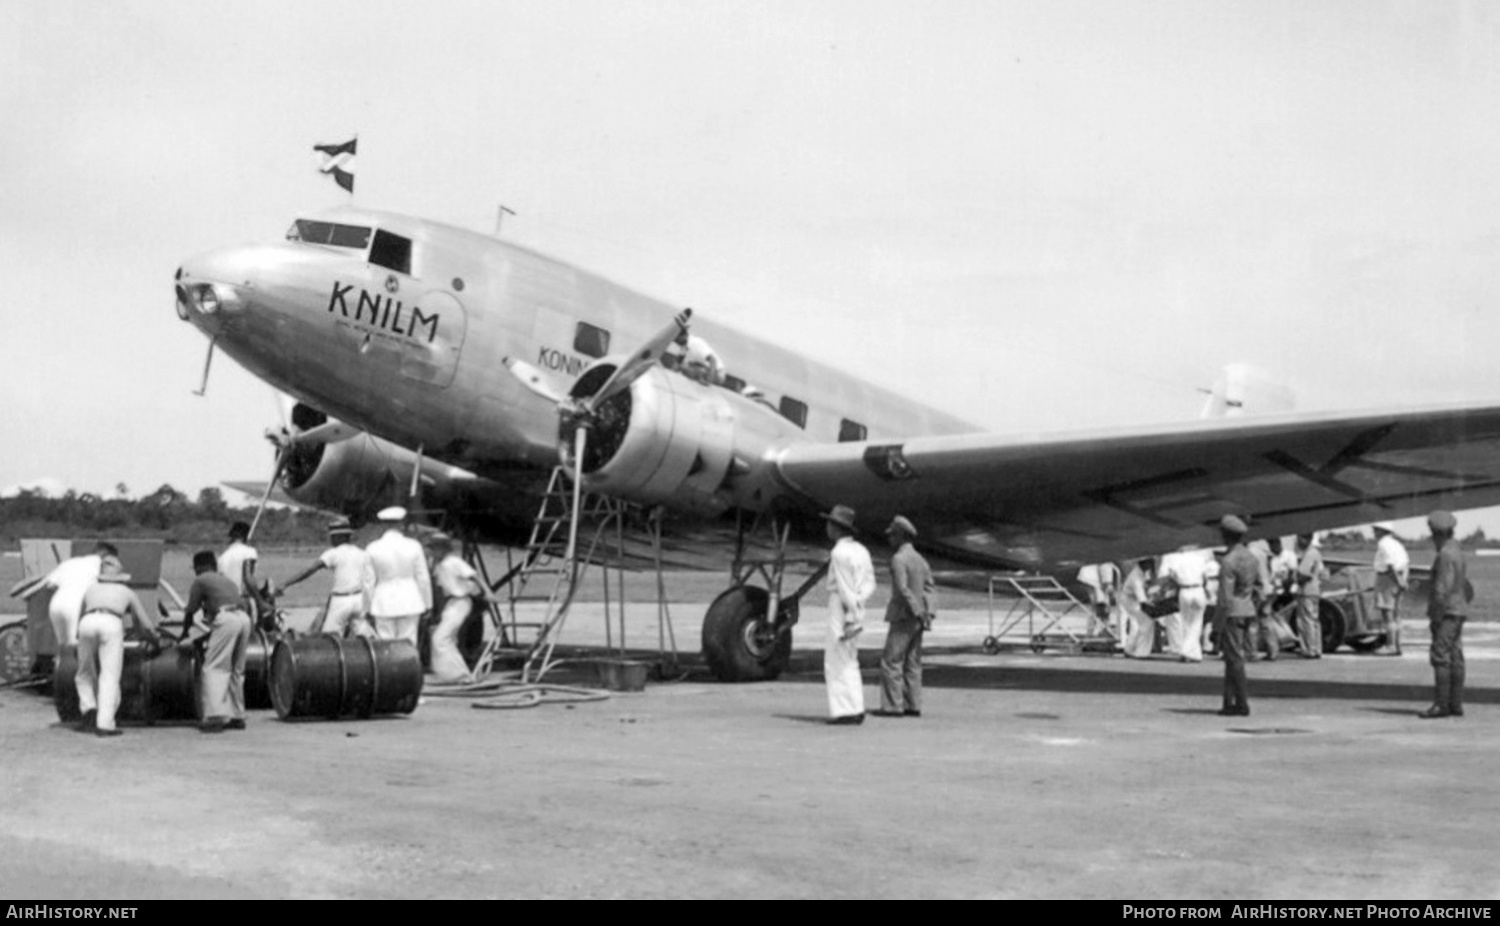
(1367, 644)
(1331, 618)
(991, 645)
(15, 655)
(739, 644)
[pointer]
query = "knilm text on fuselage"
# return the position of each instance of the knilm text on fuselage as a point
(383, 312)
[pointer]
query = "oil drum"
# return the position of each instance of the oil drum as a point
(331, 677)
(258, 668)
(163, 687)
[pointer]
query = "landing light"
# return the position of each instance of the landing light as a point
(208, 300)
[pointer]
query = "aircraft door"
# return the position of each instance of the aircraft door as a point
(431, 355)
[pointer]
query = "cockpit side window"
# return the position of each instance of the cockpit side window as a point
(391, 251)
(331, 233)
(591, 340)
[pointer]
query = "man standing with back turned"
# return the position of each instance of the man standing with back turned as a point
(403, 586)
(1239, 598)
(908, 614)
(1446, 609)
(851, 582)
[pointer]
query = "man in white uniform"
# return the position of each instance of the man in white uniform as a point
(1140, 635)
(101, 646)
(1185, 569)
(462, 587)
(1392, 570)
(237, 563)
(353, 577)
(68, 580)
(851, 582)
(403, 586)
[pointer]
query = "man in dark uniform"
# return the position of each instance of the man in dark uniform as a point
(908, 615)
(221, 683)
(1446, 609)
(1240, 594)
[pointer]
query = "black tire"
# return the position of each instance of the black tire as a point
(1367, 644)
(991, 645)
(1331, 618)
(15, 653)
(737, 640)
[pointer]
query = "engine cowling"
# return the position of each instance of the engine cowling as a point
(669, 440)
(359, 475)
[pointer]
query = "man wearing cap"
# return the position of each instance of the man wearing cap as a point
(1240, 593)
(1446, 609)
(908, 614)
(101, 645)
(68, 580)
(1392, 569)
(403, 586)
(352, 578)
(461, 587)
(851, 582)
(225, 638)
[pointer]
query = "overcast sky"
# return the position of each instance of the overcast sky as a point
(1037, 215)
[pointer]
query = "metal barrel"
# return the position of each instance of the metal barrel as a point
(331, 677)
(258, 668)
(163, 687)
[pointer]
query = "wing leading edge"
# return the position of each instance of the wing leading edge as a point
(1052, 501)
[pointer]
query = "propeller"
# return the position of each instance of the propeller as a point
(582, 411)
(286, 440)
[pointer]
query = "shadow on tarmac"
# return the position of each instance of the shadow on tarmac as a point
(1115, 677)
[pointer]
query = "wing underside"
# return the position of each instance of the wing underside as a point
(1037, 501)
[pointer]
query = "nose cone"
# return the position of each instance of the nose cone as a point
(215, 285)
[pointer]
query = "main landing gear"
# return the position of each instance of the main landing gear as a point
(742, 641)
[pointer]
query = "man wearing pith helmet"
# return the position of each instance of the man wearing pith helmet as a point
(1446, 609)
(908, 615)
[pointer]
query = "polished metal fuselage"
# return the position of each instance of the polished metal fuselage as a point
(416, 357)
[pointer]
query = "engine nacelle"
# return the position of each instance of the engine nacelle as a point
(359, 475)
(668, 440)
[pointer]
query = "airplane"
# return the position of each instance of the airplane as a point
(428, 355)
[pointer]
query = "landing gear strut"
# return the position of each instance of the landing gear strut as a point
(742, 640)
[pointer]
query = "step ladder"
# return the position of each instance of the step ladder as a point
(543, 572)
(1053, 618)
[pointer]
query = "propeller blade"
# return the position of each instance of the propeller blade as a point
(534, 380)
(580, 444)
(282, 455)
(639, 362)
(329, 432)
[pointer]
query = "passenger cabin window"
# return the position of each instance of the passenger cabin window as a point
(391, 251)
(851, 430)
(733, 383)
(590, 340)
(332, 233)
(794, 411)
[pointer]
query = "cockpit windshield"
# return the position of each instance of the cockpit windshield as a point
(331, 233)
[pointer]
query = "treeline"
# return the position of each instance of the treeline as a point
(166, 514)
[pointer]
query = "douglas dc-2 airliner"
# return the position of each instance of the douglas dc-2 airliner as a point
(419, 349)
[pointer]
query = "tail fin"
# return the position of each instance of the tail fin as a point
(1245, 389)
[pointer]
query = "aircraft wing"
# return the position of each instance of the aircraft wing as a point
(1055, 501)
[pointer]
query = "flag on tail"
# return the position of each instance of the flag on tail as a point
(338, 161)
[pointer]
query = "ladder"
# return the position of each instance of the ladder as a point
(547, 574)
(1065, 622)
